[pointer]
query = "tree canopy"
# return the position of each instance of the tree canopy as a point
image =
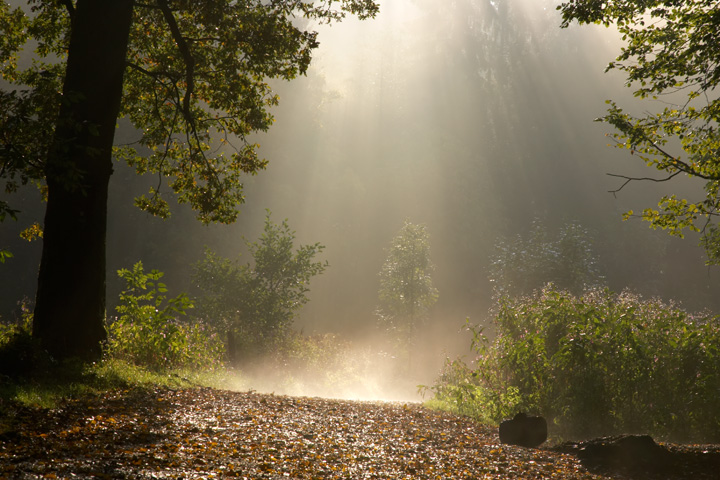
(670, 57)
(195, 87)
(189, 77)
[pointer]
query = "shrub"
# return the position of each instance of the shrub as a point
(255, 304)
(150, 332)
(601, 363)
(459, 390)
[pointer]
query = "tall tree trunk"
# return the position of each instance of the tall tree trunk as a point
(70, 304)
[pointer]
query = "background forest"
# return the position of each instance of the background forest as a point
(474, 118)
(471, 118)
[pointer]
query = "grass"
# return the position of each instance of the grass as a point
(30, 378)
(47, 388)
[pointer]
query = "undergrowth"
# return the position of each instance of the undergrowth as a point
(30, 377)
(154, 331)
(597, 364)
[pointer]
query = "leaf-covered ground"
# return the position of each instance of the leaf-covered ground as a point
(206, 433)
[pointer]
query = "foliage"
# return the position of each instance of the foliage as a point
(257, 303)
(710, 241)
(601, 363)
(670, 57)
(190, 78)
(5, 210)
(406, 291)
(29, 377)
(20, 354)
(568, 260)
(27, 112)
(195, 71)
(149, 331)
(457, 391)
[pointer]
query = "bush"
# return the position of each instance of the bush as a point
(459, 390)
(598, 364)
(150, 331)
(255, 304)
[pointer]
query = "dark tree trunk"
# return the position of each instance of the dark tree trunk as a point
(70, 304)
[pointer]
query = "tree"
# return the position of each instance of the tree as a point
(255, 304)
(670, 56)
(183, 73)
(406, 291)
(567, 260)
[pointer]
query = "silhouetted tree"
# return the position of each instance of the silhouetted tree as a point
(183, 73)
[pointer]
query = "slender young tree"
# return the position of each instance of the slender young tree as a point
(406, 291)
(184, 73)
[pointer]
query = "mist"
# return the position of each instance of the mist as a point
(472, 117)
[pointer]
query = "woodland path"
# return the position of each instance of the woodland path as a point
(207, 433)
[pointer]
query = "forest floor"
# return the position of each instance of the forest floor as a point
(207, 433)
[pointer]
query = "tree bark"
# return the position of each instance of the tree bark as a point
(69, 316)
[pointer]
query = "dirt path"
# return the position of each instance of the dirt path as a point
(205, 433)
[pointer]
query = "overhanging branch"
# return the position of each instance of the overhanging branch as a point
(186, 55)
(638, 134)
(648, 179)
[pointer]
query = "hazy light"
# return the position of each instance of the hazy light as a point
(472, 117)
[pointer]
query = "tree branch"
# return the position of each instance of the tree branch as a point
(630, 179)
(189, 61)
(186, 54)
(154, 75)
(675, 162)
